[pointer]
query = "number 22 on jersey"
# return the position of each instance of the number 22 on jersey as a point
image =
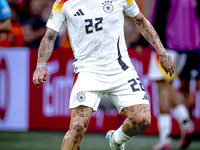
(97, 23)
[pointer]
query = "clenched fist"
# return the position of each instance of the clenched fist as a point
(167, 63)
(40, 75)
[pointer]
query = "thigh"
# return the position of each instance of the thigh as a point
(127, 90)
(88, 98)
(83, 92)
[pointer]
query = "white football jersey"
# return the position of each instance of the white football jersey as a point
(96, 32)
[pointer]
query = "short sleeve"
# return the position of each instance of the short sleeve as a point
(131, 10)
(57, 16)
(5, 11)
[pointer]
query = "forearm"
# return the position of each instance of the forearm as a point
(46, 46)
(149, 33)
(5, 26)
(44, 51)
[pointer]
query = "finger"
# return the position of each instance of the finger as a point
(39, 83)
(46, 76)
(40, 80)
(36, 83)
(173, 69)
(170, 72)
(166, 70)
(34, 77)
(35, 80)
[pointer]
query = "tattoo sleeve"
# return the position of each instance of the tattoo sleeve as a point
(149, 33)
(46, 46)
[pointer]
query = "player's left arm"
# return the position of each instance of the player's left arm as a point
(149, 33)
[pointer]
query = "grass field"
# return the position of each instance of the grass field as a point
(52, 141)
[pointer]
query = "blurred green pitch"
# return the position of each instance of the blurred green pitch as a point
(52, 141)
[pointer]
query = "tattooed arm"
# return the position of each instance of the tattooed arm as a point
(151, 36)
(46, 47)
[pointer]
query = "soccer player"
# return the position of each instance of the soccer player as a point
(5, 17)
(183, 40)
(102, 65)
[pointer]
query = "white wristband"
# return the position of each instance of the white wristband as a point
(41, 65)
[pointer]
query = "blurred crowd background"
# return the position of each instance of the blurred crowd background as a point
(29, 19)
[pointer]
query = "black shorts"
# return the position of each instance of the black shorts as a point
(191, 70)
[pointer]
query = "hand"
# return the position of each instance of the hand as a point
(167, 63)
(40, 75)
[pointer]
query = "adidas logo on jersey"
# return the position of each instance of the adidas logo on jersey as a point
(79, 13)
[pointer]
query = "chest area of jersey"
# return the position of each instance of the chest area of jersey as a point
(94, 7)
(95, 12)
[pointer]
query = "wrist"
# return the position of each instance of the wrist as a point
(162, 53)
(39, 65)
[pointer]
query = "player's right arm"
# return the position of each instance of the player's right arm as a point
(45, 49)
(54, 24)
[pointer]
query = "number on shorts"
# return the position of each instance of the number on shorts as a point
(135, 82)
